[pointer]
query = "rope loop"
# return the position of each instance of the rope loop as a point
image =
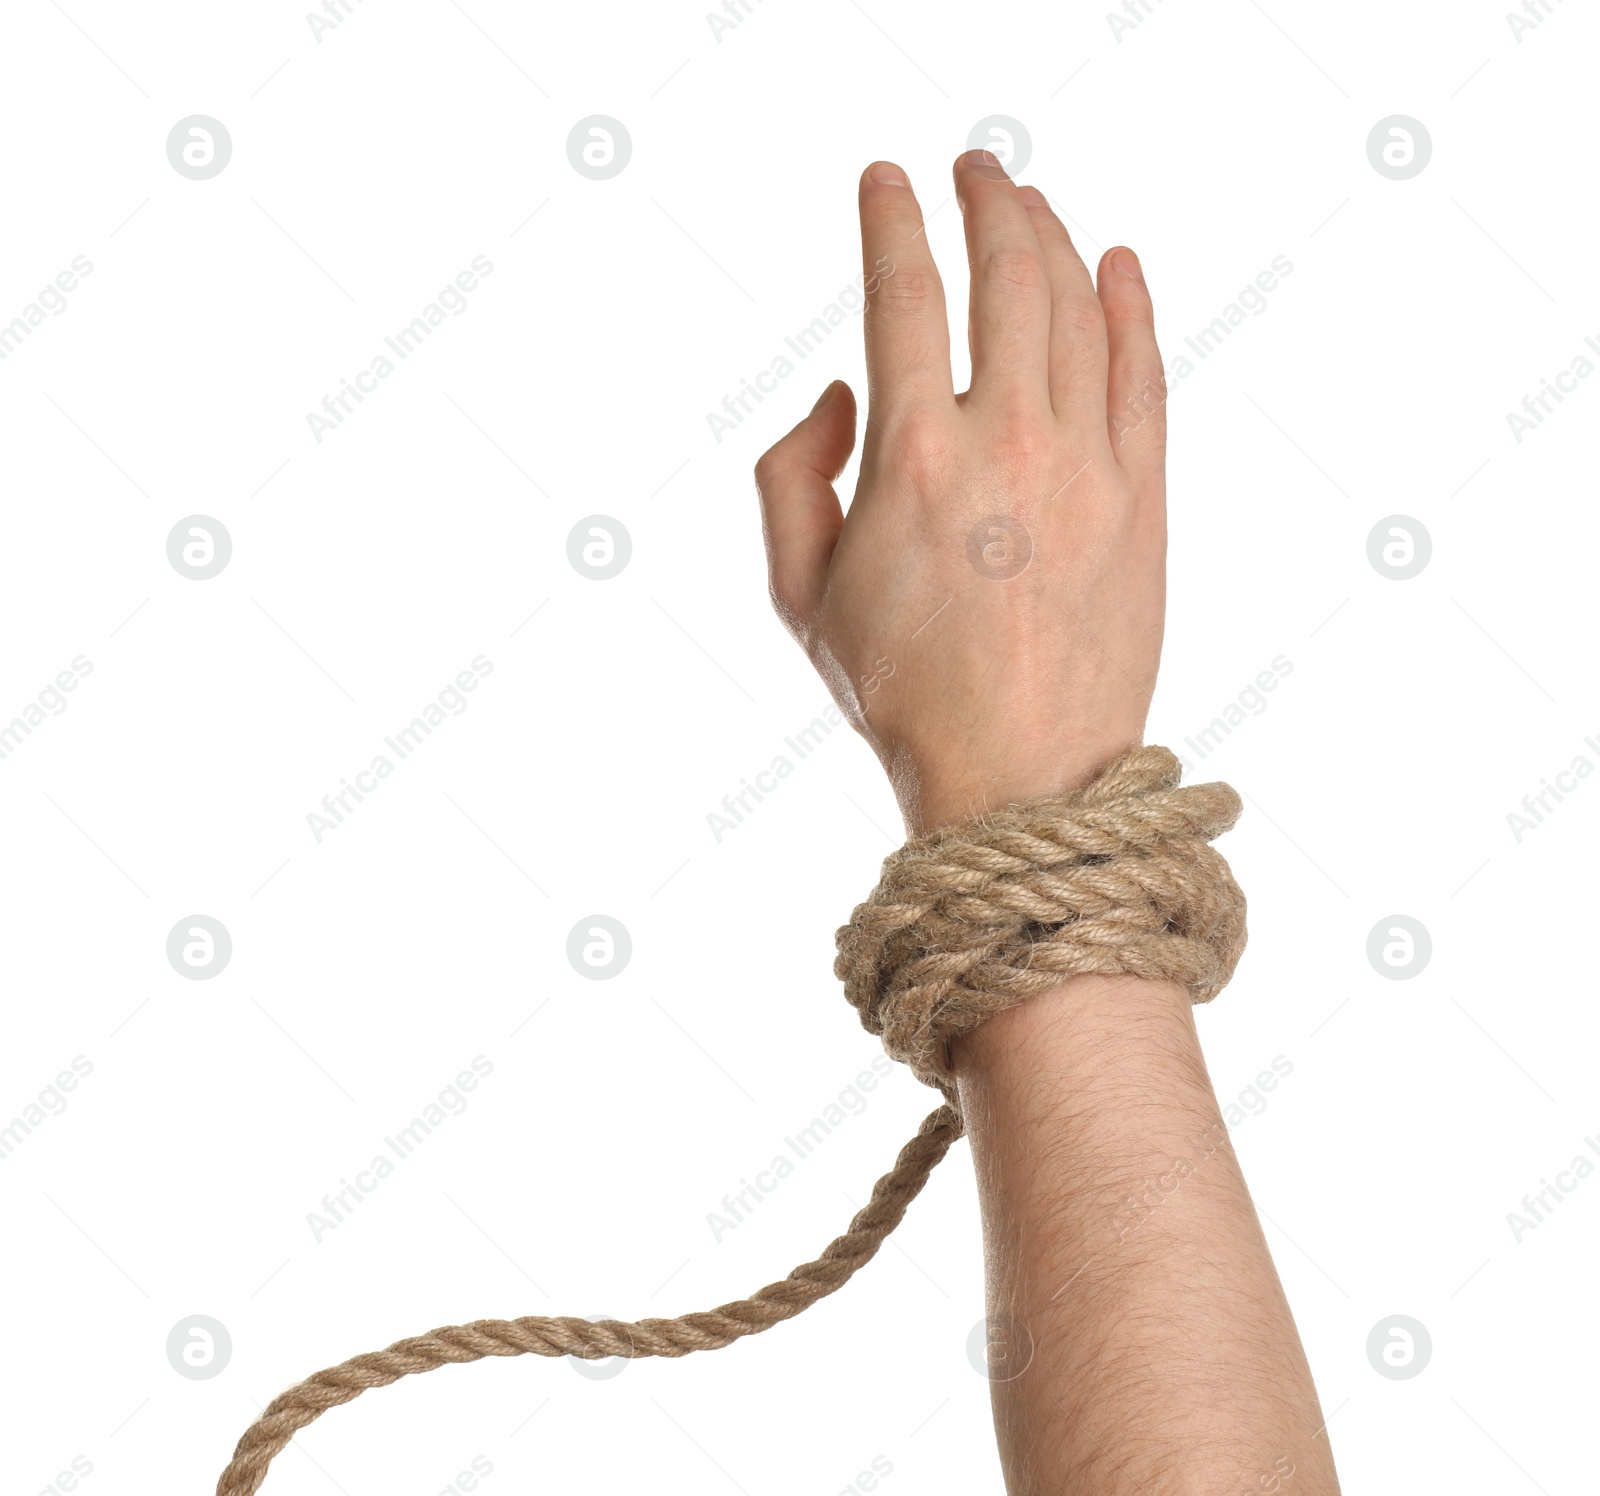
(1116, 877)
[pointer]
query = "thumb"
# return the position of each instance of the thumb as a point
(800, 513)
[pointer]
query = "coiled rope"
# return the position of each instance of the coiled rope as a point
(1116, 877)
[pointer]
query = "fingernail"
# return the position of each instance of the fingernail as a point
(1128, 263)
(887, 174)
(982, 158)
(824, 397)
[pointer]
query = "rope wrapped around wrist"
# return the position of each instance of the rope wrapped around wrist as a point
(1119, 876)
(1116, 877)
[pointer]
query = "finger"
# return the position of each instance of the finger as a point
(1078, 355)
(1009, 320)
(908, 337)
(800, 514)
(1136, 395)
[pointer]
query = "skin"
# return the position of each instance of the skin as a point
(1143, 1342)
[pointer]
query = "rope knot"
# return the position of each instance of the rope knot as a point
(1118, 876)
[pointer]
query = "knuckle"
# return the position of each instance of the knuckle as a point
(789, 590)
(912, 288)
(1023, 445)
(791, 614)
(1013, 269)
(920, 441)
(784, 599)
(1048, 227)
(1080, 316)
(1145, 387)
(768, 465)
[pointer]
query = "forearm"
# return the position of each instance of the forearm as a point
(1122, 1245)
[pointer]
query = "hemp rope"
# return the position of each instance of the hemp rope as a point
(966, 922)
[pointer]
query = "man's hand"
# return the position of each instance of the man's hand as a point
(990, 612)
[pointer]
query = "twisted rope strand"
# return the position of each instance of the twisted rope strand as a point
(1116, 877)
(539, 1335)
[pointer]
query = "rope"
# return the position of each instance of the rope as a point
(964, 923)
(1115, 877)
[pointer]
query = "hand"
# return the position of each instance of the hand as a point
(976, 682)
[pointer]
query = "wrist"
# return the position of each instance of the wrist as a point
(932, 797)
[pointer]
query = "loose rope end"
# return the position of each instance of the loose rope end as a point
(1118, 876)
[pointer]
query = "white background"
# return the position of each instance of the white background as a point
(368, 569)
